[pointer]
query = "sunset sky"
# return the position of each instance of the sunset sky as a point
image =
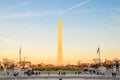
(33, 25)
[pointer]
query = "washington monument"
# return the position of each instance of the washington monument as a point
(59, 42)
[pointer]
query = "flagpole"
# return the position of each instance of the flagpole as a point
(98, 52)
(20, 59)
(99, 56)
(20, 56)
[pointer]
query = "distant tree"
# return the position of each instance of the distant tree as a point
(5, 61)
(78, 63)
(0, 64)
(12, 64)
(96, 60)
(116, 60)
(96, 63)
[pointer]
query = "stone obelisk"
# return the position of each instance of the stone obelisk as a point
(59, 42)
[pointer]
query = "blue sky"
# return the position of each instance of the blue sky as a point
(87, 24)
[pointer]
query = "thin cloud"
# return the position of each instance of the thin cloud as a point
(16, 5)
(116, 9)
(28, 14)
(6, 40)
(116, 18)
(34, 13)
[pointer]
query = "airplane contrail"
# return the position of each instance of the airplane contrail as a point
(32, 14)
(76, 6)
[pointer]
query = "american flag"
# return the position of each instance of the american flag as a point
(98, 50)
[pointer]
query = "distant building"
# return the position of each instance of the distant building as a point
(8, 64)
(108, 62)
(24, 64)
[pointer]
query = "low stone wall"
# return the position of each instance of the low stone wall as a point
(62, 77)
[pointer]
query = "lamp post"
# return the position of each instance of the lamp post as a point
(119, 66)
(114, 66)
